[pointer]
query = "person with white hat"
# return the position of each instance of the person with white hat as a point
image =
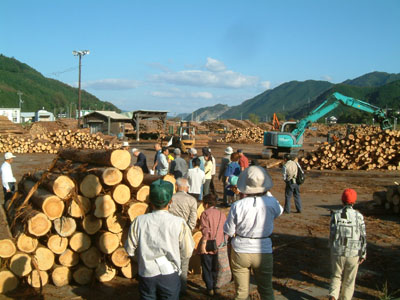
(250, 222)
(7, 177)
(125, 145)
(141, 160)
(224, 164)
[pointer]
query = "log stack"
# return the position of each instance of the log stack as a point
(366, 148)
(52, 142)
(244, 136)
(389, 199)
(69, 223)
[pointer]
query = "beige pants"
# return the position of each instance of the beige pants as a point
(344, 272)
(261, 263)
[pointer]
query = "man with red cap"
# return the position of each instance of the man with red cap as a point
(348, 247)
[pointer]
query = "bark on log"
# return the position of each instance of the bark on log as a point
(121, 194)
(91, 257)
(20, 264)
(7, 248)
(83, 275)
(105, 272)
(8, 281)
(90, 186)
(26, 243)
(120, 257)
(137, 209)
(57, 244)
(38, 279)
(69, 258)
(104, 206)
(44, 258)
(61, 276)
(64, 226)
(79, 242)
(133, 176)
(91, 224)
(108, 242)
(120, 159)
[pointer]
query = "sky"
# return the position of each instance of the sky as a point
(182, 55)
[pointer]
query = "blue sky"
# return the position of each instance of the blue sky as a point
(183, 55)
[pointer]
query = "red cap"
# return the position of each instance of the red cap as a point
(349, 196)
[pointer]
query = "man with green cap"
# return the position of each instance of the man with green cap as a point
(160, 241)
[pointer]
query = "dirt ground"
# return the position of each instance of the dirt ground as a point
(301, 255)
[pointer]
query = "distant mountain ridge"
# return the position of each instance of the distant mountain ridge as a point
(207, 113)
(39, 91)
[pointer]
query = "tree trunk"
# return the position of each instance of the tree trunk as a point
(108, 242)
(57, 244)
(91, 257)
(104, 206)
(83, 275)
(90, 186)
(79, 242)
(44, 258)
(8, 281)
(20, 264)
(61, 276)
(91, 224)
(105, 272)
(69, 258)
(7, 248)
(26, 243)
(134, 176)
(121, 193)
(120, 258)
(64, 226)
(120, 159)
(115, 223)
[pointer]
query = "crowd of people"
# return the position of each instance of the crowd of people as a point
(162, 241)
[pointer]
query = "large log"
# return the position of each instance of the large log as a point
(83, 275)
(105, 272)
(20, 264)
(44, 258)
(120, 257)
(51, 205)
(38, 278)
(26, 243)
(69, 258)
(115, 223)
(79, 242)
(110, 176)
(61, 276)
(137, 209)
(134, 176)
(120, 159)
(60, 185)
(8, 281)
(7, 248)
(65, 226)
(39, 224)
(57, 244)
(142, 193)
(79, 207)
(121, 193)
(108, 242)
(104, 206)
(91, 224)
(90, 186)
(91, 257)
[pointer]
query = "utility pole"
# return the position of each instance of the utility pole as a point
(19, 93)
(80, 54)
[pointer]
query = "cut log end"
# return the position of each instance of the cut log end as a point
(83, 275)
(20, 264)
(91, 224)
(90, 186)
(61, 276)
(79, 242)
(137, 209)
(120, 257)
(44, 258)
(69, 258)
(57, 244)
(7, 248)
(65, 226)
(39, 225)
(105, 272)
(108, 242)
(8, 281)
(91, 258)
(104, 206)
(38, 279)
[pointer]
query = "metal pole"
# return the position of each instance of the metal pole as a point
(79, 93)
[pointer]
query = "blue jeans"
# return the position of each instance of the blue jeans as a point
(160, 287)
(292, 189)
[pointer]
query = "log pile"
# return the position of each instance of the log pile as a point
(52, 142)
(389, 199)
(243, 136)
(366, 148)
(69, 223)
(7, 127)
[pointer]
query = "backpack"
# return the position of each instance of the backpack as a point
(300, 175)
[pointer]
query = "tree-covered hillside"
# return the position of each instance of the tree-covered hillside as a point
(39, 91)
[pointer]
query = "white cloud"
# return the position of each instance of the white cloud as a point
(111, 84)
(214, 65)
(177, 93)
(265, 85)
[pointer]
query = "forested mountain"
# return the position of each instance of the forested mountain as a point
(208, 113)
(373, 79)
(39, 91)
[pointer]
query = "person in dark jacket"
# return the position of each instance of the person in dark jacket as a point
(141, 160)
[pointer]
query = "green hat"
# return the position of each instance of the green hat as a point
(161, 192)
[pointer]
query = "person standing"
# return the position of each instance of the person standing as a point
(7, 178)
(157, 147)
(179, 167)
(162, 162)
(196, 179)
(243, 160)
(250, 222)
(290, 169)
(185, 206)
(208, 166)
(224, 164)
(212, 221)
(348, 245)
(141, 160)
(193, 155)
(160, 241)
(213, 172)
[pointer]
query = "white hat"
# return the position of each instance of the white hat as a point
(135, 150)
(254, 180)
(125, 144)
(228, 150)
(193, 151)
(8, 155)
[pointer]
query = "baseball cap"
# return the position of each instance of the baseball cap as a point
(8, 155)
(161, 192)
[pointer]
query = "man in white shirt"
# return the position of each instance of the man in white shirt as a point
(162, 162)
(160, 241)
(250, 222)
(7, 177)
(196, 179)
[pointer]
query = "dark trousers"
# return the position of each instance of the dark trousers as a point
(197, 196)
(212, 186)
(292, 189)
(161, 287)
(8, 195)
(209, 265)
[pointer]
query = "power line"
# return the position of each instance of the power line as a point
(57, 73)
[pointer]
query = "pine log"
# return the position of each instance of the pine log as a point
(7, 248)
(39, 224)
(91, 224)
(120, 257)
(79, 242)
(83, 275)
(90, 186)
(26, 243)
(137, 209)
(121, 193)
(91, 257)
(69, 258)
(110, 176)
(64, 226)
(58, 184)
(61, 276)
(120, 159)
(108, 242)
(57, 244)
(8, 281)
(142, 193)
(79, 207)
(130, 270)
(105, 272)
(104, 206)
(38, 279)
(20, 264)
(115, 223)
(134, 176)
(51, 205)
(44, 258)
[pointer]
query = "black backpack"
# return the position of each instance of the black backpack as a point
(300, 175)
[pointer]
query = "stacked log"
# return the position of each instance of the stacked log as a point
(367, 148)
(243, 136)
(70, 224)
(389, 199)
(52, 142)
